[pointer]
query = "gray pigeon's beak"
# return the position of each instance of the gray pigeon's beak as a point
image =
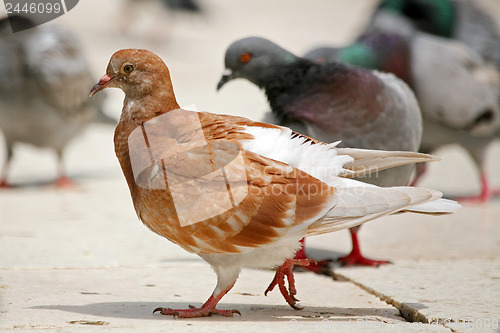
(103, 83)
(226, 77)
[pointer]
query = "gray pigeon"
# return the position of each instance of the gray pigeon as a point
(463, 20)
(456, 87)
(331, 102)
(43, 91)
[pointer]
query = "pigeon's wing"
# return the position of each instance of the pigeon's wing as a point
(227, 199)
(366, 161)
(56, 64)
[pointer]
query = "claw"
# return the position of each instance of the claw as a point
(279, 280)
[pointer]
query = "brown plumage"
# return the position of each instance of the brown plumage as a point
(207, 182)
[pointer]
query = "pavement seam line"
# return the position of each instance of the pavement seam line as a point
(408, 313)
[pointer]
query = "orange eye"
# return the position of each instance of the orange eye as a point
(245, 57)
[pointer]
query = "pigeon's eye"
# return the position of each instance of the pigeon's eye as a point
(245, 57)
(127, 68)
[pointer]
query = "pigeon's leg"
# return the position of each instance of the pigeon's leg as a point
(226, 279)
(62, 180)
(5, 168)
(283, 271)
(484, 196)
(478, 156)
(319, 267)
(355, 257)
(486, 191)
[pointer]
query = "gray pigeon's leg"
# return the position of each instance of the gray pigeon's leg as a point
(63, 181)
(6, 165)
(355, 257)
(478, 155)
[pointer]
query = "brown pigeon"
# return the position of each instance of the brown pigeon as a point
(237, 192)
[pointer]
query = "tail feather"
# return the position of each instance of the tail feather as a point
(368, 161)
(359, 205)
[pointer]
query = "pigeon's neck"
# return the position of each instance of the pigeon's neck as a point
(332, 96)
(140, 108)
(286, 76)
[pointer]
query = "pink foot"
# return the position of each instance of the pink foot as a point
(207, 309)
(194, 312)
(64, 182)
(318, 267)
(279, 280)
(355, 257)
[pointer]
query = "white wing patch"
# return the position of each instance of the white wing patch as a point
(320, 161)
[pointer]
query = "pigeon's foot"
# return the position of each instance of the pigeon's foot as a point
(279, 280)
(4, 184)
(194, 312)
(356, 258)
(206, 310)
(64, 182)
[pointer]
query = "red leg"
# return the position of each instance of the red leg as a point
(279, 280)
(484, 196)
(319, 267)
(355, 257)
(207, 309)
(5, 170)
(63, 181)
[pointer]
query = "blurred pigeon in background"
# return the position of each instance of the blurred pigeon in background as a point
(456, 80)
(463, 20)
(331, 102)
(153, 19)
(43, 91)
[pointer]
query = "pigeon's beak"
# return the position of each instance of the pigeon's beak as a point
(228, 75)
(103, 83)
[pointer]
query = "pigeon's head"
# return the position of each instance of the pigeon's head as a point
(255, 59)
(138, 73)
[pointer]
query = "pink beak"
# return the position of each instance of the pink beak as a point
(103, 82)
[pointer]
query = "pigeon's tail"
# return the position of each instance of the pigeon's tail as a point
(367, 161)
(439, 206)
(357, 205)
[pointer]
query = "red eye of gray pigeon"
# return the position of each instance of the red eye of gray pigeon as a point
(245, 57)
